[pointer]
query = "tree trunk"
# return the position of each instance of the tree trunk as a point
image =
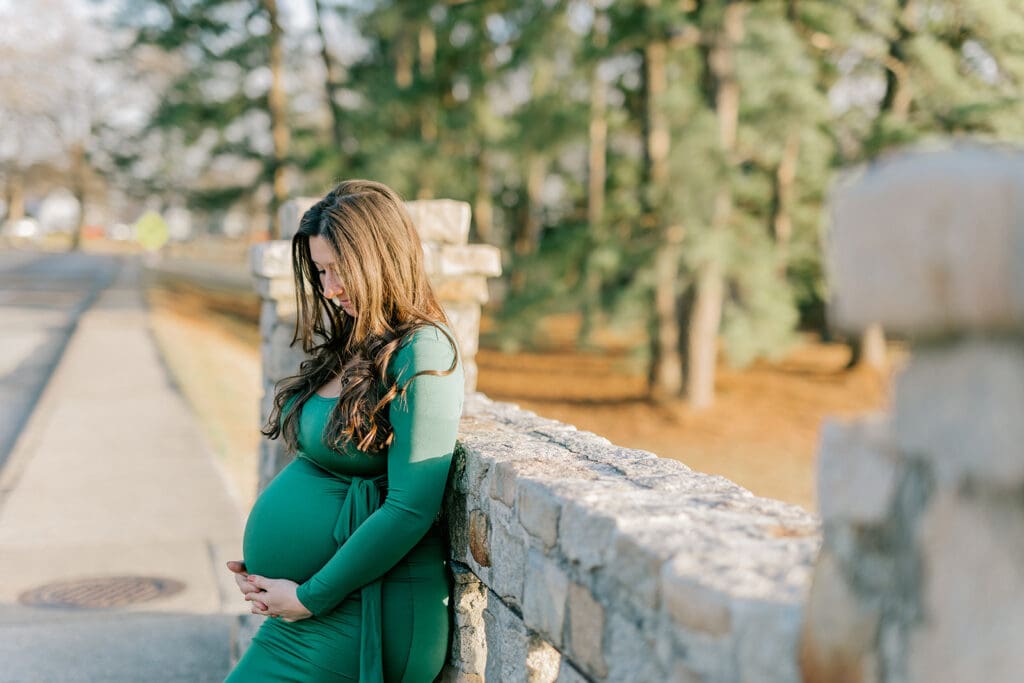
(332, 82)
(428, 110)
(15, 196)
(869, 351)
(665, 375)
(898, 89)
(278, 116)
(785, 178)
(483, 205)
(403, 61)
(656, 133)
(596, 178)
(706, 312)
(78, 181)
(529, 235)
(702, 343)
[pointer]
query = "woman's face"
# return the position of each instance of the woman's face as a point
(326, 267)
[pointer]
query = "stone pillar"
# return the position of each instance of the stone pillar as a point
(921, 573)
(458, 271)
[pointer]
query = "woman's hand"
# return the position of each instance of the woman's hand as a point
(278, 598)
(244, 585)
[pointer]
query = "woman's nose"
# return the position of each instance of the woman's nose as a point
(332, 287)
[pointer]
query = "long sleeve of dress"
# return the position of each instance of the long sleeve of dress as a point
(425, 425)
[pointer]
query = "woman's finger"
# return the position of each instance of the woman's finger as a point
(259, 582)
(258, 605)
(236, 566)
(255, 601)
(244, 585)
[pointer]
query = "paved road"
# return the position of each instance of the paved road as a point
(41, 297)
(110, 476)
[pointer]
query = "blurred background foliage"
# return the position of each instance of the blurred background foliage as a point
(658, 166)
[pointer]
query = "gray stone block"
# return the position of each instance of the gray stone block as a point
(465, 289)
(695, 607)
(930, 243)
(274, 288)
(567, 673)
(508, 564)
(281, 360)
(840, 628)
(507, 642)
(469, 642)
(538, 508)
(465, 321)
(959, 406)
(268, 317)
(432, 260)
(767, 641)
(972, 550)
(585, 536)
(440, 220)
(503, 483)
(542, 661)
(857, 463)
(469, 259)
(630, 652)
(271, 259)
(290, 214)
(585, 630)
(544, 597)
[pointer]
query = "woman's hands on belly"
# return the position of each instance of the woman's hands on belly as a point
(278, 598)
(242, 580)
(269, 597)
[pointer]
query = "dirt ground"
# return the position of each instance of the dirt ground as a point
(762, 431)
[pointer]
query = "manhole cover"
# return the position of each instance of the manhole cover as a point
(110, 591)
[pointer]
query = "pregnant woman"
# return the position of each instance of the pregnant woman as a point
(341, 549)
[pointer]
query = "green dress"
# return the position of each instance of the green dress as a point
(358, 533)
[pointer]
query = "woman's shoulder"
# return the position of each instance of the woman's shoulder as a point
(430, 346)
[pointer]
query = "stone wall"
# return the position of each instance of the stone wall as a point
(578, 560)
(921, 574)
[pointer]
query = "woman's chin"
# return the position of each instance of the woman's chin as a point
(344, 305)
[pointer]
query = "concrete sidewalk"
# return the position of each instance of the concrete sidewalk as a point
(112, 477)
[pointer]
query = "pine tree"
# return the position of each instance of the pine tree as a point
(215, 102)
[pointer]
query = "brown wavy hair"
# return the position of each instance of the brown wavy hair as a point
(379, 258)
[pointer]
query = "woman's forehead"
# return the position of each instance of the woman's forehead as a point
(320, 250)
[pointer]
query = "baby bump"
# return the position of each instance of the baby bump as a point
(290, 530)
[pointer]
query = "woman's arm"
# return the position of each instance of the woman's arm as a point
(425, 425)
